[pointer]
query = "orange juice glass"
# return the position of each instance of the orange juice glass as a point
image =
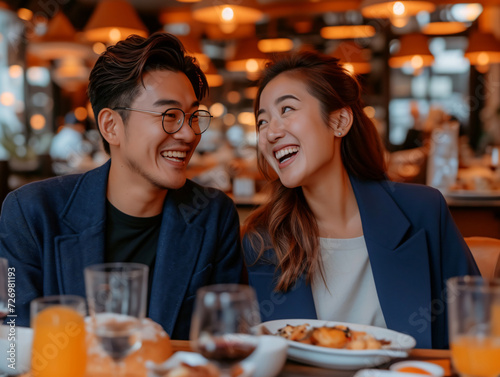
(474, 324)
(59, 338)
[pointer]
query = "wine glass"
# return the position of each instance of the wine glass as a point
(4, 294)
(223, 326)
(474, 324)
(116, 296)
(494, 158)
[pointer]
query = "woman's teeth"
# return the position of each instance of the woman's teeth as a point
(285, 153)
(174, 155)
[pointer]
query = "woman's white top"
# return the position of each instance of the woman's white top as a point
(349, 294)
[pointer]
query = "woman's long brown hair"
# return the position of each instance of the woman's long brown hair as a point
(285, 222)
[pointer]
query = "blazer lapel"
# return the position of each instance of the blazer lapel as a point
(399, 260)
(178, 248)
(85, 215)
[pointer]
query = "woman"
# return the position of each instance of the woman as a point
(336, 240)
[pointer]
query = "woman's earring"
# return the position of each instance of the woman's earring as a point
(340, 133)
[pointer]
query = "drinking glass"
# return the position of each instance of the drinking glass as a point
(117, 295)
(59, 345)
(223, 326)
(474, 324)
(4, 280)
(494, 158)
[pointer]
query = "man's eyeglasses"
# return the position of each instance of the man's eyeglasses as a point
(173, 119)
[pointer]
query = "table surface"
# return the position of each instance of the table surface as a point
(294, 369)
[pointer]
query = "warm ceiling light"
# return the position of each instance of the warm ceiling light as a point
(7, 98)
(15, 71)
(37, 121)
(25, 14)
(214, 79)
(275, 45)
(389, 9)
(414, 51)
(225, 11)
(466, 12)
(352, 57)
(483, 49)
(113, 20)
(444, 28)
(247, 57)
(70, 73)
(81, 113)
(98, 48)
(227, 14)
(214, 32)
(347, 31)
(59, 41)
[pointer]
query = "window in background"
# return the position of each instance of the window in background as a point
(444, 85)
(12, 111)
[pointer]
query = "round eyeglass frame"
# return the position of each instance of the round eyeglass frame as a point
(165, 113)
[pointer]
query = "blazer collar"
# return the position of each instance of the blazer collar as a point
(85, 215)
(399, 260)
(177, 254)
(383, 222)
(86, 206)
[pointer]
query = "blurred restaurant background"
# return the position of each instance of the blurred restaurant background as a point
(430, 72)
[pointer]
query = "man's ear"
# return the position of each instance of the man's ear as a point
(110, 125)
(341, 121)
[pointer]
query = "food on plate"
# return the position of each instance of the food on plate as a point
(329, 337)
(293, 332)
(340, 337)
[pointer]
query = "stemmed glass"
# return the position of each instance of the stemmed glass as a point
(116, 296)
(4, 278)
(223, 326)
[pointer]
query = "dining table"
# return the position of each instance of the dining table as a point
(295, 369)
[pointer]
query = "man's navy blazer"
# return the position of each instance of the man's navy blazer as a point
(51, 230)
(414, 247)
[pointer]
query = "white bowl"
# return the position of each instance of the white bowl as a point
(15, 348)
(269, 357)
(190, 358)
(434, 369)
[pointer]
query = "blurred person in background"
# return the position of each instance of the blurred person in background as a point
(69, 140)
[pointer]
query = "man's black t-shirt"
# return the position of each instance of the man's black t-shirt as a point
(131, 239)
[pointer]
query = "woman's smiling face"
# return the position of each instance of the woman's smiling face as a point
(292, 133)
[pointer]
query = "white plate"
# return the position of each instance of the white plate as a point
(341, 358)
(384, 373)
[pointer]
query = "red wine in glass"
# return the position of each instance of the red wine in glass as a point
(227, 351)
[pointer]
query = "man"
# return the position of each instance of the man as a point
(138, 207)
